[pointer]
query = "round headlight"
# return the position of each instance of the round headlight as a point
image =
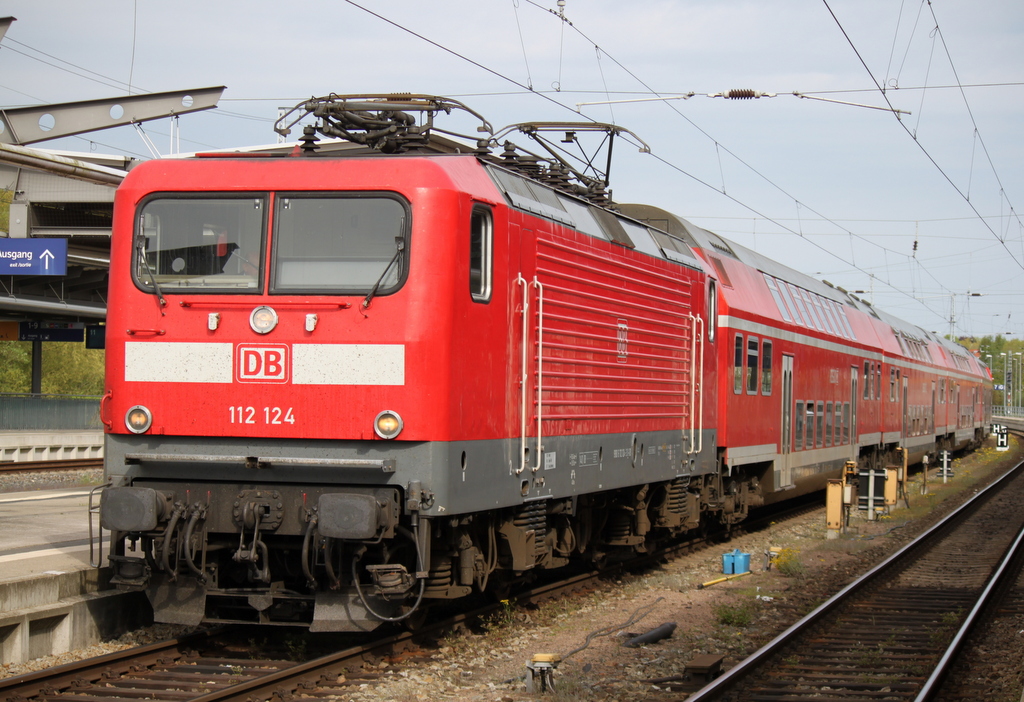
(388, 424)
(263, 319)
(138, 419)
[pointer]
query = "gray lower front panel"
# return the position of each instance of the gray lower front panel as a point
(461, 476)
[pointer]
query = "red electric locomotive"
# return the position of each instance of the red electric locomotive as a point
(350, 379)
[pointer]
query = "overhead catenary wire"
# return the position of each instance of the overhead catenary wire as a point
(675, 167)
(807, 232)
(913, 136)
(522, 43)
(733, 155)
(564, 21)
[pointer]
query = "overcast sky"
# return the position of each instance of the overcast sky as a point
(837, 191)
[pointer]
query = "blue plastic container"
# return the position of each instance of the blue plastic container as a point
(735, 562)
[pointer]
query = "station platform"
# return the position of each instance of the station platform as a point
(1015, 423)
(50, 445)
(52, 600)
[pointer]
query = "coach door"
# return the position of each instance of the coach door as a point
(906, 408)
(931, 420)
(854, 436)
(784, 474)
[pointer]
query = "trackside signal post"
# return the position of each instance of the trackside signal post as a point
(946, 471)
(881, 490)
(901, 478)
(838, 498)
(1002, 438)
(835, 508)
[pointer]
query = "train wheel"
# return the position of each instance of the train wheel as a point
(416, 620)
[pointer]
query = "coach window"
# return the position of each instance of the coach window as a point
(830, 312)
(766, 367)
(841, 314)
(200, 244)
(809, 300)
(846, 422)
(878, 381)
(355, 244)
(752, 365)
(828, 423)
(773, 288)
(788, 296)
(892, 384)
(867, 380)
(820, 419)
(799, 432)
(820, 309)
(838, 426)
(481, 238)
(737, 366)
(809, 441)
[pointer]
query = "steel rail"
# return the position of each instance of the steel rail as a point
(41, 682)
(736, 674)
(931, 688)
(65, 464)
(81, 674)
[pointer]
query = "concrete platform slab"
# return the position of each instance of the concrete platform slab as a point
(20, 446)
(51, 599)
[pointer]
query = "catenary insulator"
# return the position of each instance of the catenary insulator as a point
(743, 94)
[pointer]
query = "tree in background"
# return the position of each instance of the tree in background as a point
(15, 366)
(68, 368)
(990, 350)
(5, 209)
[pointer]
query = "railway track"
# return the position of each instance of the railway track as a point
(896, 632)
(200, 668)
(70, 464)
(203, 667)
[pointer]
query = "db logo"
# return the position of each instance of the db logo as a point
(262, 364)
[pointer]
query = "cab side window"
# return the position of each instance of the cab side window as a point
(481, 258)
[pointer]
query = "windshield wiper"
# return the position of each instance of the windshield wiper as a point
(152, 278)
(400, 245)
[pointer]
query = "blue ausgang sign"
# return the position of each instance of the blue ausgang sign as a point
(33, 256)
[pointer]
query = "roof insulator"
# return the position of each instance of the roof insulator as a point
(307, 142)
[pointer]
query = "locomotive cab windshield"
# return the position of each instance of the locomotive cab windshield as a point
(339, 243)
(205, 243)
(336, 244)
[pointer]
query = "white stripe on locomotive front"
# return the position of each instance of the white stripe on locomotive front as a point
(348, 364)
(312, 364)
(177, 362)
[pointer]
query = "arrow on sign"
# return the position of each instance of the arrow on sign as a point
(47, 257)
